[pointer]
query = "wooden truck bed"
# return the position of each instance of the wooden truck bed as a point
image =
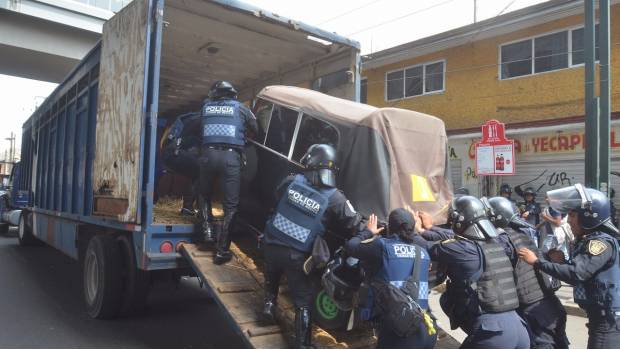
(237, 288)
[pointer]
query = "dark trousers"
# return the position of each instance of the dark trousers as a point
(547, 322)
(186, 164)
(222, 166)
(281, 260)
(387, 339)
(603, 333)
(505, 330)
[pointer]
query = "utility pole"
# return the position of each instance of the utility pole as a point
(475, 11)
(605, 102)
(597, 119)
(591, 102)
(11, 147)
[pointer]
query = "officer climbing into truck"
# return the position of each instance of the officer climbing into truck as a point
(538, 304)
(225, 124)
(310, 206)
(594, 267)
(396, 265)
(481, 296)
(180, 148)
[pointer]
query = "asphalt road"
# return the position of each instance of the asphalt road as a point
(41, 306)
(575, 326)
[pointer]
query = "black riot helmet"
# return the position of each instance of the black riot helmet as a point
(222, 89)
(529, 190)
(505, 188)
(502, 213)
(469, 219)
(592, 206)
(320, 164)
(341, 279)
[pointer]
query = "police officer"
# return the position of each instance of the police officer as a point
(530, 209)
(393, 258)
(538, 304)
(225, 125)
(309, 206)
(506, 191)
(481, 295)
(180, 153)
(594, 269)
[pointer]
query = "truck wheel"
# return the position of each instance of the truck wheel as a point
(136, 282)
(103, 282)
(24, 232)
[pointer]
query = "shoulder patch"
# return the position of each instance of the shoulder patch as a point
(447, 241)
(369, 240)
(596, 247)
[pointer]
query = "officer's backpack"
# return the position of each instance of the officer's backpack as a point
(399, 311)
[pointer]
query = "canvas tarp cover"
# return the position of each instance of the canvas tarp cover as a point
(388, 157)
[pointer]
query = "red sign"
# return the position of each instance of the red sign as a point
(495, 154)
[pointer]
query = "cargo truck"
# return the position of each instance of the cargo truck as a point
(90, 150)
(90, 153)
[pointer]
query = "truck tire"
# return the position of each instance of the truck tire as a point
(103, 280)
(136, 282)
(24, 231)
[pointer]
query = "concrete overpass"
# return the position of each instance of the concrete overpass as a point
(45, 39)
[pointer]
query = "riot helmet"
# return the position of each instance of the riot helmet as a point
(502, 213)
(222, 89)
(341, 280)
(505, 188)
(592, 206)
(461, 191)
(320, 164)
(469, 219)
(530, 191)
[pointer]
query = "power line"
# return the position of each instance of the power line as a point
(401, 17)
(350, 11)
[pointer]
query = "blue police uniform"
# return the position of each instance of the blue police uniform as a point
(180, 151)
(298, 217)
(594, 271)
(486, 327)
(392, 260)
(303, 213)
(538, 304)
(225, 122)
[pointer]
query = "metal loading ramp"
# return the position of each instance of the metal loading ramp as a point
(237, 288)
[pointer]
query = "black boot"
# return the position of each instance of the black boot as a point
(269, 309)
(303, 328)
(223, 254)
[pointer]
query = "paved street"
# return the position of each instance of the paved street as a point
(41, 306)
(575, 328)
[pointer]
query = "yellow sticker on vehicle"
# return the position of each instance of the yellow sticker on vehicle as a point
(421, 190)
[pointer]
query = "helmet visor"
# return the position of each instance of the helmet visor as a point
(327, 177)
(566, 199)
(487, 228)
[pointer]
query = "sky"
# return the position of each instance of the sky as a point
(376, 24)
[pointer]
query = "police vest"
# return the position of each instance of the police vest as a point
(496, 287)
(298, 217)
(531, 286)
(222, 123)
(602, 291)
(402, 261)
